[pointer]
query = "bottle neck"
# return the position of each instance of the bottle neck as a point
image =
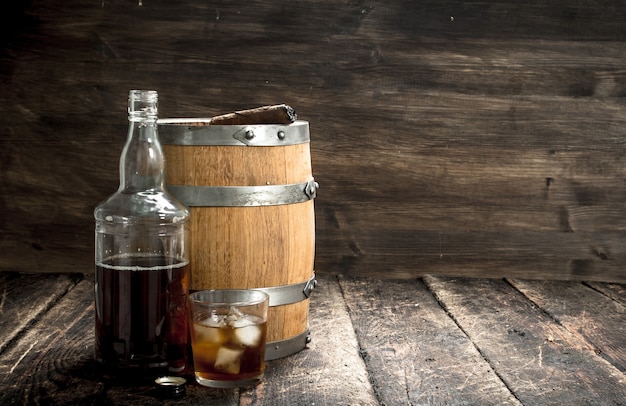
(142, 161)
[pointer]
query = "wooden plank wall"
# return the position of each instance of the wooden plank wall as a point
(480, 138)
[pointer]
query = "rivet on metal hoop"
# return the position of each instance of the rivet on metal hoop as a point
(281, 135)
(249, 134)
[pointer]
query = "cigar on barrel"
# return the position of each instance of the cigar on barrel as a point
(276, 114)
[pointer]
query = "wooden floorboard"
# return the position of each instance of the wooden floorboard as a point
(50, 363)
(541, 361)
(431, 341)
(415, 353)
(21, 304)
(590, 315)
(331, 371)
(615, 291)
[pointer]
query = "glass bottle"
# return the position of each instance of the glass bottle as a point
(141, 256)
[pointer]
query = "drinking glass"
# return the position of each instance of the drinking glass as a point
(228, 336)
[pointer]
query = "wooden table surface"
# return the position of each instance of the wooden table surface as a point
(436, 340)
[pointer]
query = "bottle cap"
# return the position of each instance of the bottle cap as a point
(171, 386)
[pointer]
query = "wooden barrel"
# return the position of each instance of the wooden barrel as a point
(250, 191)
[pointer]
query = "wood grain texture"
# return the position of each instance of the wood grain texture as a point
(19, 308)
(406, 338)
(587, 313)
(52, 361)
(615, 291)
(330, 371)
(437, 341)
(540, 361)
(486, 133)
(244, 247)
(250, 247)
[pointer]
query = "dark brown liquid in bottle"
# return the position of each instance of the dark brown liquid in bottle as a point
(141, 318)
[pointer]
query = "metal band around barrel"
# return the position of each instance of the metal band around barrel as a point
(289, 294)
(197, 131)
(241, 196)
(284, 348)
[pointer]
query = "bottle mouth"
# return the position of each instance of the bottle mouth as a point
(143, 104)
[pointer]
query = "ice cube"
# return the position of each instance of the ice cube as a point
(228, 360)
(248, 336)
(214, 320)
(205, 334)
(207, 330)
(234, 314)
(241, 321)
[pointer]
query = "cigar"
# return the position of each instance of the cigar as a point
(276, 114)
